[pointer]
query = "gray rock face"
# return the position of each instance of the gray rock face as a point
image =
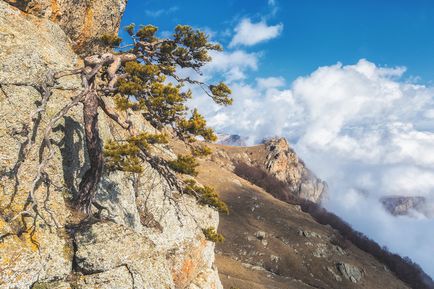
(350, 272)
(283, 163)
(27, 53)
(111, 248)
(119, 278)
(148, 236)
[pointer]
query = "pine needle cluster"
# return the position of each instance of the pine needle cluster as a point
(212, 235)
(206, 196)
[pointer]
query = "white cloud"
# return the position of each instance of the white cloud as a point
(273, 6)
(248, 33)
(270, 82)
(161, 12)
(360, 127)
(228, 66)
(232, 65)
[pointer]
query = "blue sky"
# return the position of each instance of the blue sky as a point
(315, 32)
(349, 83)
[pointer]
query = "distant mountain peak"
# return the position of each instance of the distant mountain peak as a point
(231, 139)
(407, 205)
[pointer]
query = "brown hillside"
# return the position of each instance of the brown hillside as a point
(272, 244)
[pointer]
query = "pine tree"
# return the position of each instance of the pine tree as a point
(141, 76)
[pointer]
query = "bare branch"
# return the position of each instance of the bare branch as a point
(68, 72)
(125, 124)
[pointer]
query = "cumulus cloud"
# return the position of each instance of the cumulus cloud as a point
(248, 33)
(363, 129)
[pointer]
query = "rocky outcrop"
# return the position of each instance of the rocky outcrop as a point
(409, 206)
(350, 272)
(84, 21)
(144, 236)
(276, 158)
(283, 163)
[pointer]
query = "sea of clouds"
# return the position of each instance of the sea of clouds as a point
(362, 128)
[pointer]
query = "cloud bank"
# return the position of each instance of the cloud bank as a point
(248, 33)
(362, 128)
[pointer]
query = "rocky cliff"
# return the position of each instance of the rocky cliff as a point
(144, 235)
(278, 159)
(83, 21)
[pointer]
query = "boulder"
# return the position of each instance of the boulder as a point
(350, 272)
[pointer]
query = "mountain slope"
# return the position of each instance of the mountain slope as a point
(272, 244)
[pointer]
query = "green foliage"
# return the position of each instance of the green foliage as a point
(127, 155)
(212, 235)
(124, 103)
(196, 126)
(40, 285)
(220, 93)
(150, 84)
(201, 151)
(184, 164)
(111, 40)
(165, 104)
(157, 138)
(162, 102)
(206, 196)
(130, 29)
(147, 33)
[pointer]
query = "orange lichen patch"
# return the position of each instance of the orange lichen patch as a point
(189, 266)
(4, 226)
(86, 30)
(13, 246)
(13, 254)
(55, 11)
(10, 208)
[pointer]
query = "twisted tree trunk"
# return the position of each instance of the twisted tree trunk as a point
(92, 177)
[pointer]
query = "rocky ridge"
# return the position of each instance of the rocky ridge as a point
(284, 164)
(277, 158)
